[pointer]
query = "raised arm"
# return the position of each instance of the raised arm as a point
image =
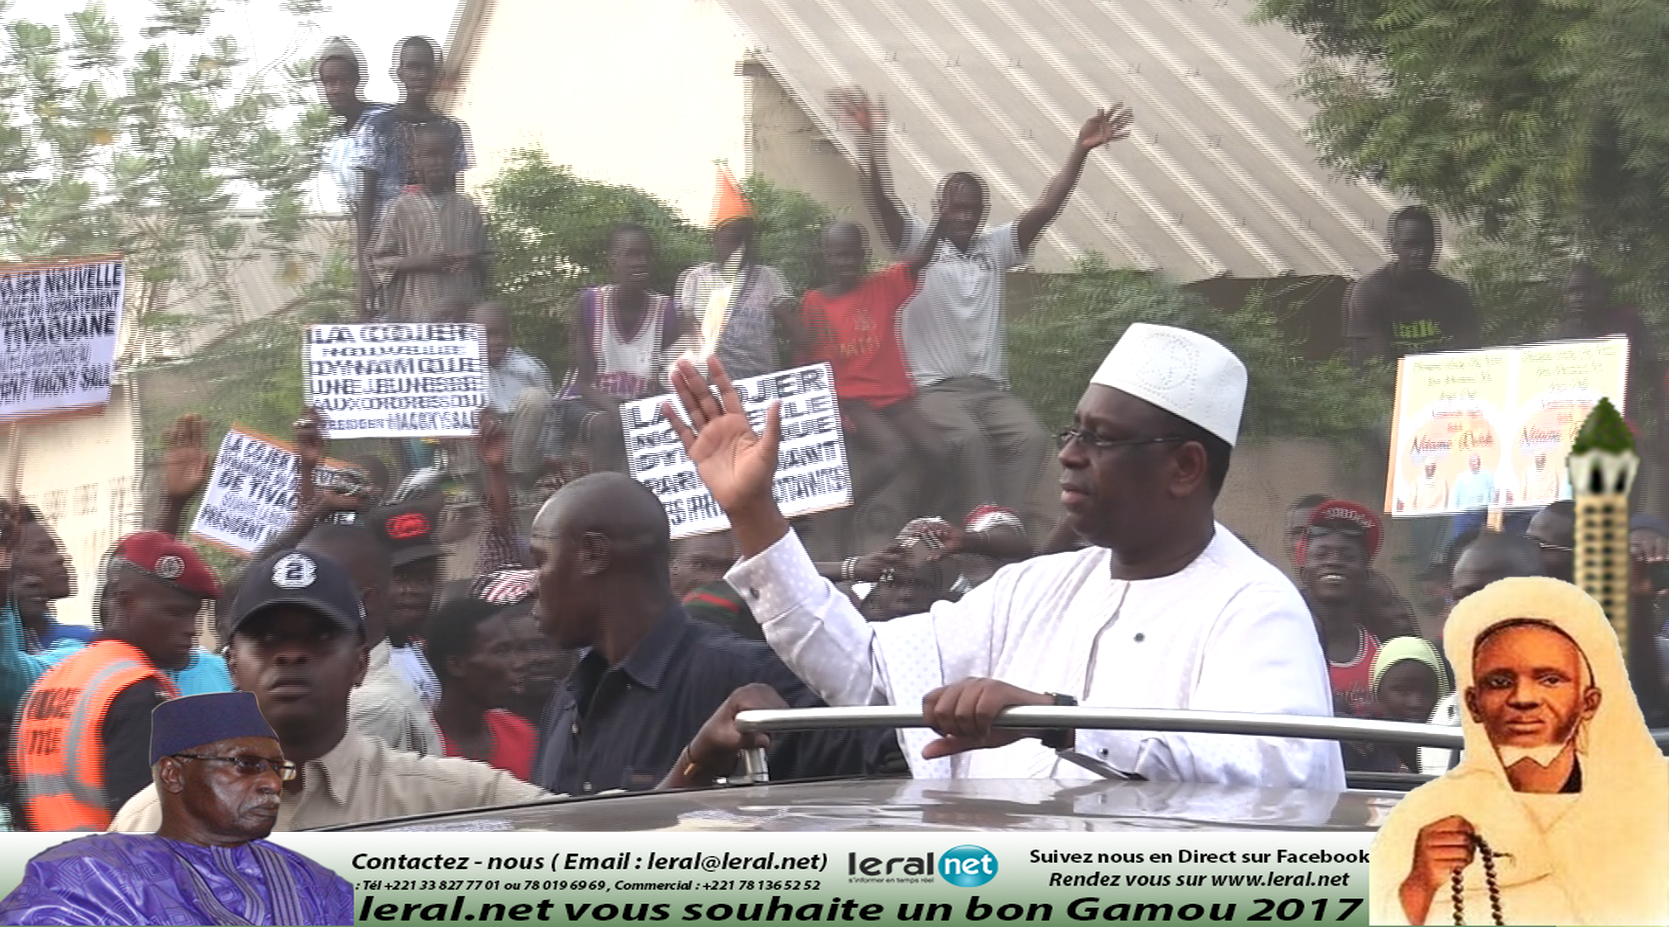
(917, 261)
(1107, 125)
(18, 669)
(492, 446)
(868, 122)
(790, 318)
(809, 623)
(185, 471)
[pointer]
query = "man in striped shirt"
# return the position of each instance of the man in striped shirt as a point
(952, 330)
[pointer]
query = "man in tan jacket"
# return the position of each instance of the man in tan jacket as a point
(298, 643)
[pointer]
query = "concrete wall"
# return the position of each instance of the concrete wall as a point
(640, 92)
(84, 475)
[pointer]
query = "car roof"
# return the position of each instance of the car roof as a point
(930, 805)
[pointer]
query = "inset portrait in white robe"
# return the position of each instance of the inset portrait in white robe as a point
(1594, 851)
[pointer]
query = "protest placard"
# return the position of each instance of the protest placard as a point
(812, 473)
(1490, 429)
(251, 497)
(396, 380)
(58, 325)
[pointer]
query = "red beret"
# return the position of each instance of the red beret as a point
(165, 559)
(1350, 513)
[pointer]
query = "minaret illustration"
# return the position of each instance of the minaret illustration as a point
(1602, 470)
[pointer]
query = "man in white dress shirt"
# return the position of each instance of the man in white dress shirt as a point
(1167, 609)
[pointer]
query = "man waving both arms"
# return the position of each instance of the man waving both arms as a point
(1167, 609)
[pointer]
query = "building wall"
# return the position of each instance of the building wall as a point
(790, 151)
(83, 474)
(654, 106)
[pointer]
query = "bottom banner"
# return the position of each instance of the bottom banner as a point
(884, 877)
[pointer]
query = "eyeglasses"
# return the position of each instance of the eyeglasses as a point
(247, 765)
(1096, 442)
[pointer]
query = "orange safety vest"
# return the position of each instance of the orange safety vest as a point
(57, 749)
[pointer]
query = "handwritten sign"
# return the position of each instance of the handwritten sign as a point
(812, 472)
(251, 497)
(1491, 429)
(58, 325)
(396, 380)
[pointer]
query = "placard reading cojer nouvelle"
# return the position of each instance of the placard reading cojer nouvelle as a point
(58, 326)
(396, 380)
(812, 472)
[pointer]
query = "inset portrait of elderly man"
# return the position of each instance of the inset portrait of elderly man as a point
(218, 769)
(1558, 812)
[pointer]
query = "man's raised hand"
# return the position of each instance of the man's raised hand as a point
(492, 441)
(860, 115)
(310, 438)
(736, 462)
(1107, 125)
(185, 463)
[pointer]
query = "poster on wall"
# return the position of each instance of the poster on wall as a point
(1491, 428)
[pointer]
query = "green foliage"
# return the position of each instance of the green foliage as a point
(1055, 349)
(146, 149)
(1541, 121)
(790, 226)
(1516, 284)
(551, 230)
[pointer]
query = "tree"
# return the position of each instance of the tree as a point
(147, 151)
(550, 229)
(1056, 348)
(1539, 121)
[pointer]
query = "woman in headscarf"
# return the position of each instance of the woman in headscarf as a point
(1408, 680)
(1558, 812)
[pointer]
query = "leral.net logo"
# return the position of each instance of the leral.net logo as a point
(968, 866)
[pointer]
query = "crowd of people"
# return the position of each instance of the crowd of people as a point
(919, 390)
(585, 651)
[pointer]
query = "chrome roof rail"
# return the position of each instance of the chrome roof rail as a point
(1398, 733)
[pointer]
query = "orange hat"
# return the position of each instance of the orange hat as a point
(728, 202)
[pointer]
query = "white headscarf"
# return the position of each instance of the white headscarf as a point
(1603, 857)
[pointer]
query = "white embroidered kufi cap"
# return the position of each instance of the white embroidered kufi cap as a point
(1183, 372)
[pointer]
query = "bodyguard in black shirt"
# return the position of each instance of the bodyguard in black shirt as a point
(651, 675)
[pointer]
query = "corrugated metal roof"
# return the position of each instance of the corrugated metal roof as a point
(1217, 179)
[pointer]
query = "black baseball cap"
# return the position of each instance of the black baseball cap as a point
(294, 577)
(407, 531)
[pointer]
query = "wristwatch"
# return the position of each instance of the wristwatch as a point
(1062, 738)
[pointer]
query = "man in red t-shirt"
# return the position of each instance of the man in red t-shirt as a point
(852, 323)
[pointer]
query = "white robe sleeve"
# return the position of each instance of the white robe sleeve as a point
(817, 631)
(1262, 656)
